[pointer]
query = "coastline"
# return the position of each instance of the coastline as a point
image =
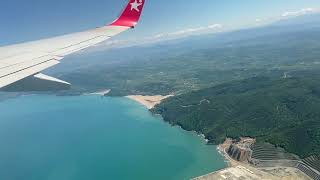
(148, 101)
(151, 101)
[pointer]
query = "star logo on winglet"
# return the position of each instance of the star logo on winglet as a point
(135, 5)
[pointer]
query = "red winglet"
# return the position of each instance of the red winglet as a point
(131, 14)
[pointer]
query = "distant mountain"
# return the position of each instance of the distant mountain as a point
(305, 21)
(284, 28)
(198, 62)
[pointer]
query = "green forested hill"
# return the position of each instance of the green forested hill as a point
(284, 112)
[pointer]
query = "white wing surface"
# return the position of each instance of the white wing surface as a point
(24, 62)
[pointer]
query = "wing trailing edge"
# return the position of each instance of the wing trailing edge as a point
(38, 82)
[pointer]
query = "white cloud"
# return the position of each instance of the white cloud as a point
(198, 30)
(184, 33)
(203, 30)
(215, 26)
(286, 15)
(299, 12)
(161, 37)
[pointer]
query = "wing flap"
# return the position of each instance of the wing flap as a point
(49, 78)
(19, 58)
(26, 72)
(38, 82)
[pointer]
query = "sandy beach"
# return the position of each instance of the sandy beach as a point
(148, 101)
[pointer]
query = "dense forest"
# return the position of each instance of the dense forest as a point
(284, 112)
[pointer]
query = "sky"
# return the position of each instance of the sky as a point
(23, 20)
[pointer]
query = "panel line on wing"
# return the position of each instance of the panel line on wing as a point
(82, 42)
(22, 69)
(9, 79)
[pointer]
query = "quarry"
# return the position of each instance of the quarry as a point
(248, 159)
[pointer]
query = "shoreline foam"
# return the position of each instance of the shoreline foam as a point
(101, 93)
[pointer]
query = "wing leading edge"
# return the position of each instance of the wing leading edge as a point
(22, 61)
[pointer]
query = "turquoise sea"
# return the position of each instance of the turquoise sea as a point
(44, 137)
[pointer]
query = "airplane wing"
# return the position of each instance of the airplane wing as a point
(20, 64)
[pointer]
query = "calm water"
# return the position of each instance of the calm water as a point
(94, 138)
